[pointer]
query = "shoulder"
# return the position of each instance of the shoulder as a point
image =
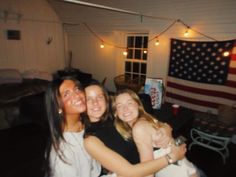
(141, 124)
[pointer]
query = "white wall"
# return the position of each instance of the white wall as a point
(215, 18)
(38, 22)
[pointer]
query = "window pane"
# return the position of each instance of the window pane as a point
(136, 67)
(135, 76)
(145, 56)
(137, 54)
(138, 42)
(130, 54)
(128, 66)
(145, 42)
(130, 41)
(143, 68)
(127, 77)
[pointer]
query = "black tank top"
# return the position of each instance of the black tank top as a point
(108, 134)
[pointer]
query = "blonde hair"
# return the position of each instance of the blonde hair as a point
(122, 127)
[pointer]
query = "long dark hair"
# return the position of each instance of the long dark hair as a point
(56, 118)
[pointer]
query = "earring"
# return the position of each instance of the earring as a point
(60, 111)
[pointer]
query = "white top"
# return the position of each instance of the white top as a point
(184, 168)
(77, 163)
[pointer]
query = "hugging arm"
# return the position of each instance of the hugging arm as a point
(117, 164)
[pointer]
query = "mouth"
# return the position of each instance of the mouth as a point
(78, 102)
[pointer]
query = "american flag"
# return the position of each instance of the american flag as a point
(200, 77)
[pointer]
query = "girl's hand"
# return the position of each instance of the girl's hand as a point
(177, 152)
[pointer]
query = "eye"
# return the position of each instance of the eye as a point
(100, 97)
(77, 90)
(88, 99)
(118, 106)
(66, 94)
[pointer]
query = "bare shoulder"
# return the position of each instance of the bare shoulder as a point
(92, 141)
(141, 126)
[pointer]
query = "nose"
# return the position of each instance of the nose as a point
(94, 101)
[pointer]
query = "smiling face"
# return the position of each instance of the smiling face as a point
(73, 99)
(127, 108)
(96, 102)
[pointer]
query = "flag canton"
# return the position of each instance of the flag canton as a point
(203, 62)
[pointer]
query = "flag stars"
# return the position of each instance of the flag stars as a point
(203, 54)
(218, 58)
(223, 63)
(220, 80)
(209, 49)
(213, 54)
(216, 67)
(200, 70)
(222, 72)
(199, 61)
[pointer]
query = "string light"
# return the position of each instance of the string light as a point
(186, 32)
(102, 46)
(226, 54)
(157, 42)
(145, 51)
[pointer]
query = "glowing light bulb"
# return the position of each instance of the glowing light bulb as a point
(157, 42)
(125, 53)
(186, 33)
(102, 46)
(226, 54)
(145, 51)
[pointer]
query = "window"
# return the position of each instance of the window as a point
(136, 60)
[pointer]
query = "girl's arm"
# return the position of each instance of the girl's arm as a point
(142, 134)
(117, 164)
